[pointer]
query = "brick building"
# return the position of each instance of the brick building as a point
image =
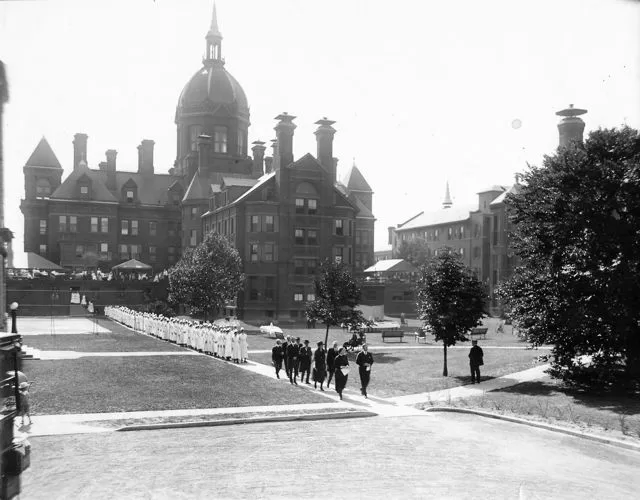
(284, 216)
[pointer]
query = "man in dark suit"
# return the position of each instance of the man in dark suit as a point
(277, 355)
(332, 352)
(475, 361)
(293, 351)
(364, 360)
(304, 359)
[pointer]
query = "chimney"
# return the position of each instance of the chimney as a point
(204, 145)
(145, 157)
(191, 162)
(79, 150)
(258, 150)
(324, 137)
(111, 169)
(268, 165)
(570, 127)
(284, 134)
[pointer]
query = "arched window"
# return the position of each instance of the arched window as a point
(194, 132)
(219, 139)
(43, 188)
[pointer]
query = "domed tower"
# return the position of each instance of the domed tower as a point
(212, 103)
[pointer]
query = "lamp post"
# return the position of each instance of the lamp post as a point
(14, 315)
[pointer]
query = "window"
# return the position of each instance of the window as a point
(268, 223)
(219, 139)
(476, 252)
(268, 252)
(43, 226)
(299, 205)
(194, 132)
(312, 237)
(312, 207)
(134, 227)
(79, 251)
(462, 252)
(224, 226)
(255, 223)
(298, 266)
(311, 266)
(62, 224)
(253, 251)
(194, 213)
(136, 251)
(84, 190)
(73, 224)
(253, 288)
(43, 249)
(104, 224)
(436, 234)
(298, 296)
(461, 234)
(43, 188)
(240, 142)
(171, 250)
(358, 237)
(193, 238)
(339, 225)
(232, 224)
(311, 297)
(269, 288)
(153, 228)
(129, 195)
(104, 247)
(338, 254)
(152, 254)
(449, 233)
(94, 224)
(124, 227)
(365, 237)
(299, 236)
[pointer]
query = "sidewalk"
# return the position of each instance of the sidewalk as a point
(468, 391)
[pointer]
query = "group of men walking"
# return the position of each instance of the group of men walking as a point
(224, 342)
(322, 364)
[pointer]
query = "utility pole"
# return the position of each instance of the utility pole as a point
(5, 234)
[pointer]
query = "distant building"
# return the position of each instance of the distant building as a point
(479, 233)
(384, 254)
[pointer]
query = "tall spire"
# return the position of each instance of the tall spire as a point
(214, 40)
(447, 198)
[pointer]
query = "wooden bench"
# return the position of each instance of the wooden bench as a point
(392, 334)
(480, 332)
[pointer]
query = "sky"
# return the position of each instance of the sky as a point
(422, 92)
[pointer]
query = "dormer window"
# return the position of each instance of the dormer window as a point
(130, 194)
(85, 191)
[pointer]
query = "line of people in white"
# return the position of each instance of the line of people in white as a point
(224, 342)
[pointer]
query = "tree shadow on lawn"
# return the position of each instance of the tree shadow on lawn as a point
(621, 404)
(379, 357)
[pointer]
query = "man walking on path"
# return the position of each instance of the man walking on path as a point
(364, 360)
(475, 361)
(305, 361)
(293, 350)
(331, 356)
(277, 354)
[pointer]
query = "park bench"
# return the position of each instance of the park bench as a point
(480, 332)
(392, 334)
(421, 335)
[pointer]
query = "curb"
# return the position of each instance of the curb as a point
(548, 427)
(253, 420)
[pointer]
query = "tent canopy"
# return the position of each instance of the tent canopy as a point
(35, 261)
(391, 266)
(132, 265)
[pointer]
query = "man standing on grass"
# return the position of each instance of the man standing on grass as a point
(475, 361)
(364, 360)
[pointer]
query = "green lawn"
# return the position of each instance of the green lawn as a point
(410, 371)
(548, 401)
(113, 384)
(119, 340)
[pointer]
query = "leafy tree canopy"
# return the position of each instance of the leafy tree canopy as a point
(337, 296)
(450, 299)
(415, 251)
(577, 231)
(207, 276)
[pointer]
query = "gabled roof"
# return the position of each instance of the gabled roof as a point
(261, 182)
(441, 216)
(515, 189)
(495, 187)
(152, 189)
(197, 189)
(43, 156)
(355, 181)
(363, 211)
(35, 261)
(391, 266)
(99, 192)
(239, 181)
(132, 265)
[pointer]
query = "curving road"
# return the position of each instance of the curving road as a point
(432, 456)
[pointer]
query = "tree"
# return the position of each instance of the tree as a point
(207, 276)
(336, 297)
(415, 251)
(450, 299)
(577, 231)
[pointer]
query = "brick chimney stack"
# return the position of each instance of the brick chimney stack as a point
(111, 169)
(284, 134)
(324, 137)
(571, 127)
(204, 147)
(145, 157)
(79, 150)
(258, 150)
